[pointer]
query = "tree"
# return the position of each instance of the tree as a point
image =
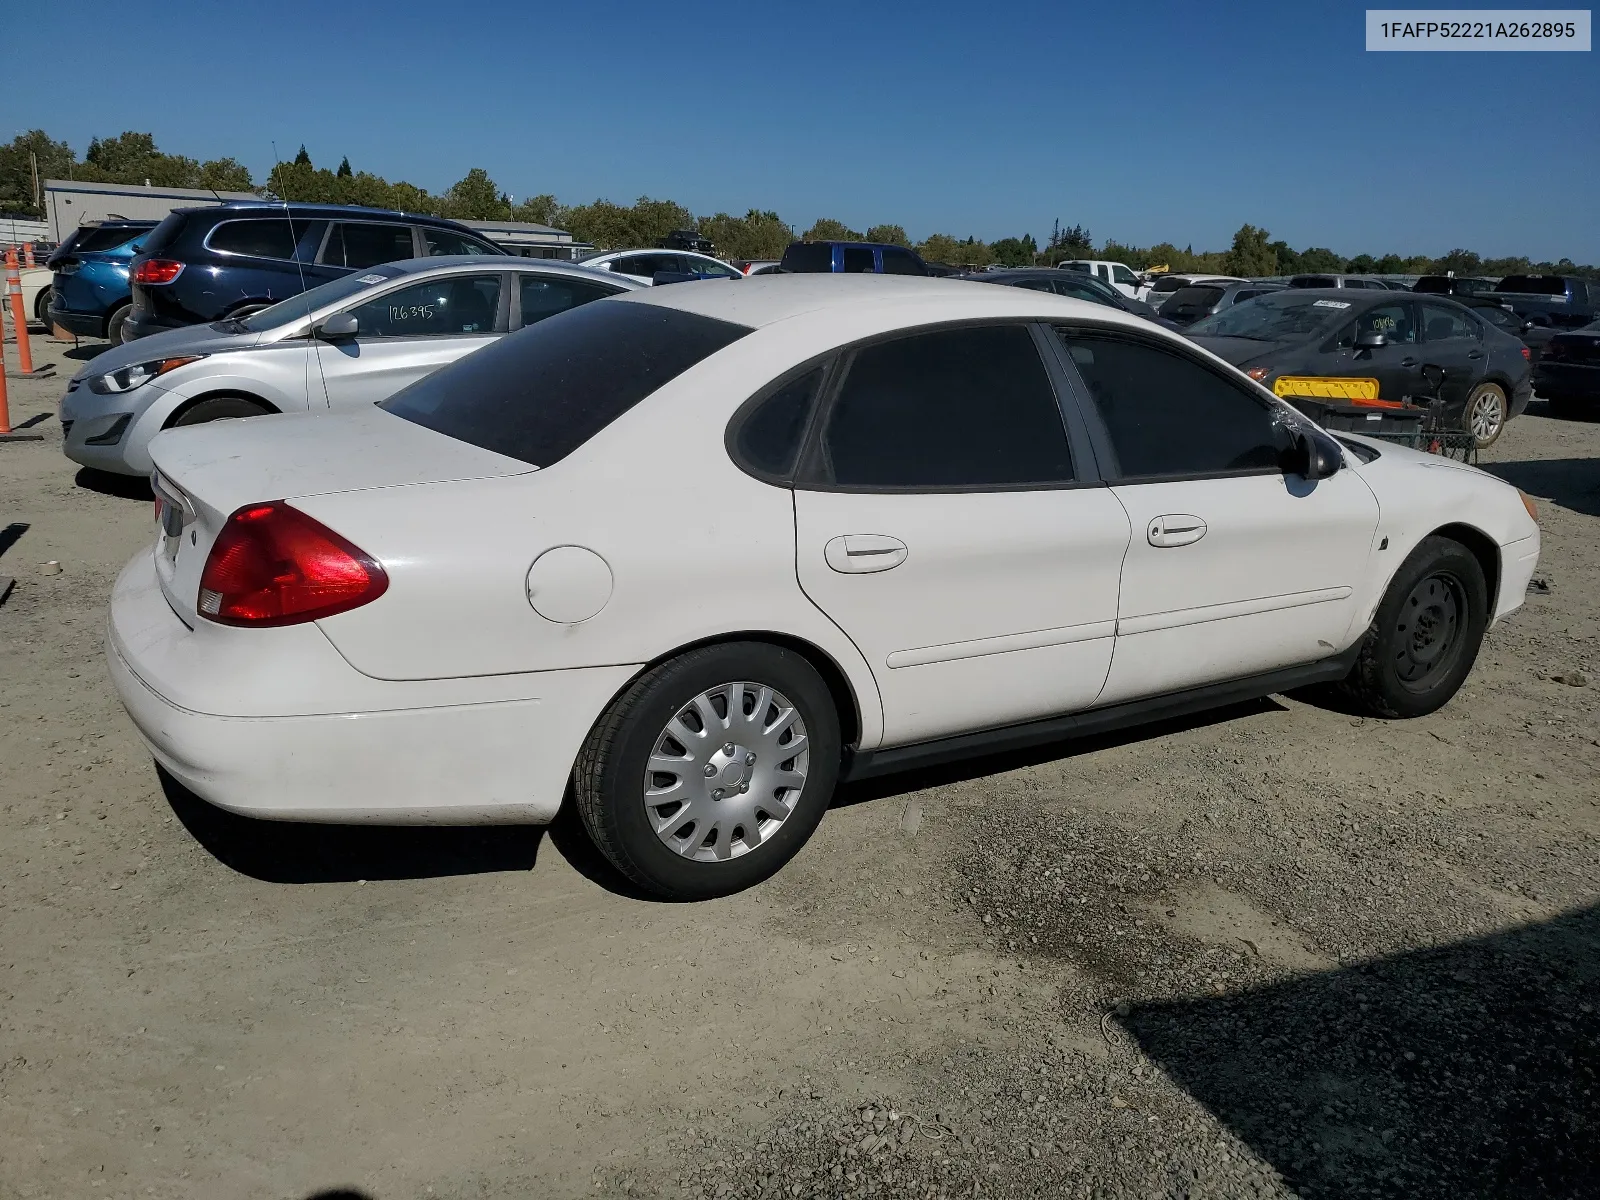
(1390, 264)
(226, 175)
(56, 160)
(941, 247)
(1064, 244)
(538, 210)
(476, 197)
(132, 157)
(1288, 259)
(828, 230)
(757, 234)
(302, 159)
(344, 171)
(1251, 255)
(889, 235)
(1319, 260)
(1462, 262)
(1362, 264)
(1015, 252)
(1131, 256)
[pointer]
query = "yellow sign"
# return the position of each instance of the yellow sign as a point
(1325, 388)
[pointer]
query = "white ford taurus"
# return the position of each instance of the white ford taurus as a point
(700, 553)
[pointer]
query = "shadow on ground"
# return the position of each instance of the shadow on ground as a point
(1464, 1070)
(84, 351)
(293, 852)
(125, 487)
(1570, 482)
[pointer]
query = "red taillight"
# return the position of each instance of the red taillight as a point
(1526, 354)
(157, 270)
(273, 565)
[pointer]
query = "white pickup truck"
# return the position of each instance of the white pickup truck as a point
(1118, 275)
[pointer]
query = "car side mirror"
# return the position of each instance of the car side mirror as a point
(1313, 456)
(1370, 339)
(340, 325)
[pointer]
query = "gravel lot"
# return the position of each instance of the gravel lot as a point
(1279, 951)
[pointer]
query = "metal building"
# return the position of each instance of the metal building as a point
(69, 203)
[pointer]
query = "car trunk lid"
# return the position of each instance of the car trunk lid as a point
(205, 473)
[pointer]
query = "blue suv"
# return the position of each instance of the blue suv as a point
(89, 291)
(231, 260)
(866, 258)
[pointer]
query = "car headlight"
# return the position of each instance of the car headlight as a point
(125, 379)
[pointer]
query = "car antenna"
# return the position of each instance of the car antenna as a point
(311, 348)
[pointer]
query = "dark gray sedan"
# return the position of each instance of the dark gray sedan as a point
(1387, 336)
(1199, 300)
(1068, 283)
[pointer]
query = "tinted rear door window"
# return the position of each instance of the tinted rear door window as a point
(768, 439)
(901, 262)
(1168, 416)
(808, 256)
(266, 237)
(954, 408)
(858, 261)
(358, 244)
(539, 394)
(544, 296)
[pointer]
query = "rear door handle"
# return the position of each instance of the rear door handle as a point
(1475, 354)
(864, 553)
(1175, 529)
(1408, 362)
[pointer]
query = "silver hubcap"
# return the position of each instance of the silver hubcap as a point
(726, 772)
(1487, 413)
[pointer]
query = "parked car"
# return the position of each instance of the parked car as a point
(89, 291)
(852, 258)
(1452, 285)
(1118, 275)
(1384, 336)
(672, 266)
(1339, 281)
(339, 620)
(687, 239)
(1532, 334)
(35, 283)
(1563, 301)
(756, 266)
(349, 342)
(1568, 374)
(1189, 304)
(1165, 286)
(231, 260)
(1067, 283)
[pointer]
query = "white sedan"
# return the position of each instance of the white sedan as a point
(351, 341)
(700, 552)
(645, 265)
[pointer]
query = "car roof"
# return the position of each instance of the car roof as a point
(311, 207)
(501, 262)
(769, 299)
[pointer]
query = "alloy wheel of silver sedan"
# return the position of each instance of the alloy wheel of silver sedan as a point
(727, 771)
(1486, 413)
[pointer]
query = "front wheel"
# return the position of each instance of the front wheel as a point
(1486, 413)
(711, 770)
(1426, 634)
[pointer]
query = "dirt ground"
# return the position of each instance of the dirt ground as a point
(1277, 951)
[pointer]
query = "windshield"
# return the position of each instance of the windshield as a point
(1277, 317)
(296, 307)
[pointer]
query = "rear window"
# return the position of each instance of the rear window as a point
(1533, 285)
(808, 256)
(263, 237)
(164, 234)
(1433, 285)
(1167, 284)
(1313, 281)
(90, 240)
(1195, 299)
(539, 394)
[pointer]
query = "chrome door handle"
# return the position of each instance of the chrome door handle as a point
(1475, 354)
(1408, 362)
(864, 553)
(1175, 529)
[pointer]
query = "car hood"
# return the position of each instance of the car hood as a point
(170, 343)
(1237, 350)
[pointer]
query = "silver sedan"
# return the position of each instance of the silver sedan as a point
(351, 342)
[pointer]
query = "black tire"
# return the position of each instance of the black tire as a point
(608, 781)
(1491, 397)
(220, 408)
(1567, 408)
(1425, 636)
(116, 322)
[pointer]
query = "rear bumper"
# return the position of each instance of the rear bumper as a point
(80, 323)
(1577, 381)
(454, 760)
(143, 325)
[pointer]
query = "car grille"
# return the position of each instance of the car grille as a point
(66, 428)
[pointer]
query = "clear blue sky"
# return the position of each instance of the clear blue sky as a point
(1143, 121)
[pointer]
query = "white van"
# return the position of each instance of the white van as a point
(1118, 275)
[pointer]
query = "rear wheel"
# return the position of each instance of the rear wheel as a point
(1486, 413)
(1426, 634)
(116, 326)
(41, 306)
(711, 770)
(220, 408)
